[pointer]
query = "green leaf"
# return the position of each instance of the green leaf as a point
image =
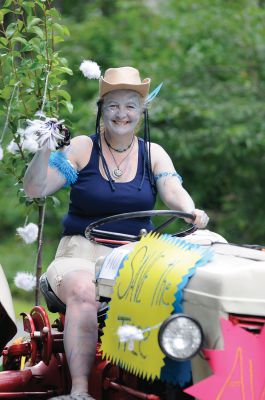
(6, 92)
(35, 66)
(28, 4)
(39, 32)
(19, 39)
(38, 44)
(53, 12)
(32, 22)
(61, 29)
(20, 24)
(27, 47)
(64, 94)
(66, 70)
(3, 12)
(69, 106)
(55, 200)
(4, 41)
(7, 3)
(11, 29)
(58, 39)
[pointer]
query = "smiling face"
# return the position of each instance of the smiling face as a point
(122, 110)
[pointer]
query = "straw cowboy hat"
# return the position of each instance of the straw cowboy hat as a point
(123, 78)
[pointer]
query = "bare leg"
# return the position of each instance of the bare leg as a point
(80, 331)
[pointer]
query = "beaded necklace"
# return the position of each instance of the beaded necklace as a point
(118, 150)
(118, 172)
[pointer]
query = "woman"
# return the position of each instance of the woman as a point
(110, 172)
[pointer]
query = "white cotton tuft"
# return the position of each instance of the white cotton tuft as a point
(25, 281)
(12, 147)
(1, 153)
(28, 233)
(46, 132)
(129, 333)
(90, 69)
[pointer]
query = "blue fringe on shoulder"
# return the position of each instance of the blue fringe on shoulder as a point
(59, 161)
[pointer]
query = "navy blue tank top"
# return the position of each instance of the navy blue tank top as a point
(92, 198)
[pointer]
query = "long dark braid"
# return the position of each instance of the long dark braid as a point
(147, 154)
(104, 163)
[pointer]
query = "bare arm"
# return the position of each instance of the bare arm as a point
(170, 188)
(41, 180)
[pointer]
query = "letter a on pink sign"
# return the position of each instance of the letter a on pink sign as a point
(238, 370)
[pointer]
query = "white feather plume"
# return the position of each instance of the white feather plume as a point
(46, 132)
(1, 153)
(28, 233)
(90, 69)
(30, 144)
(25, 281)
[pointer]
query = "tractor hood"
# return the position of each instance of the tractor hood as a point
(8, 327)
(233, 282)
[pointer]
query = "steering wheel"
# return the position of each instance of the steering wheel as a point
(93, 233)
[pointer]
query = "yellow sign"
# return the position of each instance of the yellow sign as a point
(144, 294)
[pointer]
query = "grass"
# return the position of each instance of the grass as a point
(21, 305)
(24, 306)
(18, 256)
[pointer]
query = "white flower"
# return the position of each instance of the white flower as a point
(47, 132)
(129, 333)
(28, 233)
(30, 144)
(1, 153)
(25, 280)
(90, 69)
(12, 147)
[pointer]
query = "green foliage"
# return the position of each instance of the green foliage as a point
(32, 79)
(210, 113)
(32, 73)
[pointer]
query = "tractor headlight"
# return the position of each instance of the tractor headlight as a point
(180, 337)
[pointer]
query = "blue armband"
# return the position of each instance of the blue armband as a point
(165, 174)
(59, 161)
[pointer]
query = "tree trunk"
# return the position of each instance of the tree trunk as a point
(41, 209)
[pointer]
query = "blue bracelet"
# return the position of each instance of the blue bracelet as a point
(59, 161)
(163, 174)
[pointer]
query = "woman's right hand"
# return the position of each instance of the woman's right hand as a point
(201, 218)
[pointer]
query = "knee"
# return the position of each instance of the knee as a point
(82, 293)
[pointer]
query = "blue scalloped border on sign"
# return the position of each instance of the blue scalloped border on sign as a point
(179, 372)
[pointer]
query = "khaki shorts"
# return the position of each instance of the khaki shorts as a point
(74, 253)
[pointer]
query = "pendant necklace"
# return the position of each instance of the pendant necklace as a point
(118, 172)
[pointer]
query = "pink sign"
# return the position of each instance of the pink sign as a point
(238, 370)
